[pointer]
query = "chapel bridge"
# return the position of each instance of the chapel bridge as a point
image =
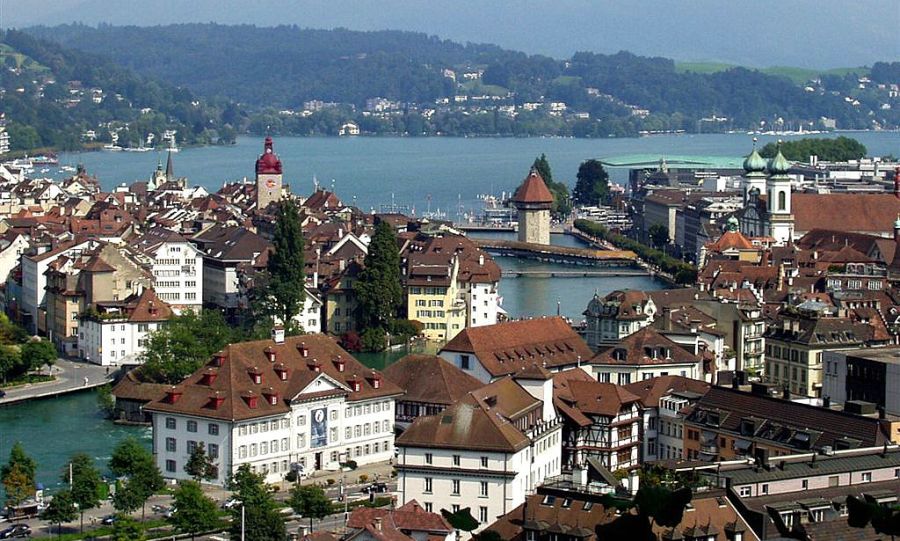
(614, 262)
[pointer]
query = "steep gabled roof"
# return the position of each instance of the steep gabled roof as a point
(505, 348)
(431, 379)
(646, 346)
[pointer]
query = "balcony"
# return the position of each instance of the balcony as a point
(709, 449)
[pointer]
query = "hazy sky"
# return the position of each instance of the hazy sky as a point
(809, 33)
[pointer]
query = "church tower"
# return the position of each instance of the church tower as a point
(268, 177)
(754, 175)
(533, 201)
(778, 192)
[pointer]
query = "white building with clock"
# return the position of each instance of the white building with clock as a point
(271, 404)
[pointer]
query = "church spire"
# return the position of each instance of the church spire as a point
(170, 168)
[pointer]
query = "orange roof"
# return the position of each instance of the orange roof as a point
(533, 190)
(731, 240)
(859, 213)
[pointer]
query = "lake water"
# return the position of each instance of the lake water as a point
(436, 173)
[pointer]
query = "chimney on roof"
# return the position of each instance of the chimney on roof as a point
(277, 335)
(377, 523)
(173, 394)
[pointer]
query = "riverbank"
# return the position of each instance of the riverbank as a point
(70, 377)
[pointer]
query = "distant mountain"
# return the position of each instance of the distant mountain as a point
(284, 66)
(55, 97)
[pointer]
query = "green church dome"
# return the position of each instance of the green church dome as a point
(779, 164)
(754, 163)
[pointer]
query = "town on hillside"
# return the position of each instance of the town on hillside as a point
(757, 397)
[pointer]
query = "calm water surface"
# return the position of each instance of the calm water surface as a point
(436, 173)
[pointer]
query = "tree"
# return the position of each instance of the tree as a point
(183, 344)
(37, 353)
(659, 235)
(194, 511)
(561, 206)
(18, 486)
(18, 457)
(310, 501)
(863, 512)
(106, 402)
(286, 280)
(86, 483)
(461, 520)
(129, 497)
(261, 518)
(200, 466)
(592, 186)
(60, 509)
(378, 290)
(126, 528)
(131, 459)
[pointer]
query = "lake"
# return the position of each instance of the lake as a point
(420, 174)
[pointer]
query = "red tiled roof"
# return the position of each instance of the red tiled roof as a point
(859, 213)
(642, 347)
(533, 190)
(429, 378)
(234, 383)
(505, 348)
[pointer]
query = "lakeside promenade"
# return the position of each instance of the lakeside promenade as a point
(70, 377)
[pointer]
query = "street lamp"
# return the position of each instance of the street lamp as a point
(342, 459)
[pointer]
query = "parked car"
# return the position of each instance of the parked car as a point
(230, 503)
(108, 519)
(16, 530)
(2, 393)
(375, 488)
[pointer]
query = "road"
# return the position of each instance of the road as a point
(70, 377)
(94, 517)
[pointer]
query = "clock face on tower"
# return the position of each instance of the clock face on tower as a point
(270, 183)
(320, 416)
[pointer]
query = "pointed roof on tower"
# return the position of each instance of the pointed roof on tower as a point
(170, 167)
(268, 162)
(533, 190)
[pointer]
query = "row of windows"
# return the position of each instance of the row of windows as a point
(211, 428)
(428, 290)
(212, 450)
(430, 313)
(264, 448)
(455, 459)
(367, 429)
(454, 487)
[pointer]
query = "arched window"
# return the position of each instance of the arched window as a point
(781, 200)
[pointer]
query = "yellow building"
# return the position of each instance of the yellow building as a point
(339, 302)
(433, 296)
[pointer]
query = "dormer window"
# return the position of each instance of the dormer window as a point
(281, 371)
(218, 359)
(209, 377)
(216, 401)
(255, 375)
(271, 396)
(270, 354)
(354, 383)
(173, 394)
(252, 399)
(304, 351)
(314, 365)
(339, 363)
(376, 380)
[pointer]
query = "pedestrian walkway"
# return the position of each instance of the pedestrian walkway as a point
(71, 376)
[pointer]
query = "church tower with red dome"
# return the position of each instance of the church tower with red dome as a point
(268, 177)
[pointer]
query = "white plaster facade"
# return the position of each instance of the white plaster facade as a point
(362, 431)
(178, 275)
(113, 342)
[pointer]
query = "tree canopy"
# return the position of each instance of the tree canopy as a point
(194, 511)
(17, 475)
(561, 206)
(378, 290)
(262, 521)
(60, 509)
(592, 185)
(183, 344)
(200, 466)
(839, 149)
(86, 483)
(310, 501)
(286, 280)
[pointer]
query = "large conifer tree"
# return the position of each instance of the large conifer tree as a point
(287, 276)
(378, 289)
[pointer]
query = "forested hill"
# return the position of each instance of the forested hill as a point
(285, 66)
(55, 97)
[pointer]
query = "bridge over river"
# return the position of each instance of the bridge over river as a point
(563, 254)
